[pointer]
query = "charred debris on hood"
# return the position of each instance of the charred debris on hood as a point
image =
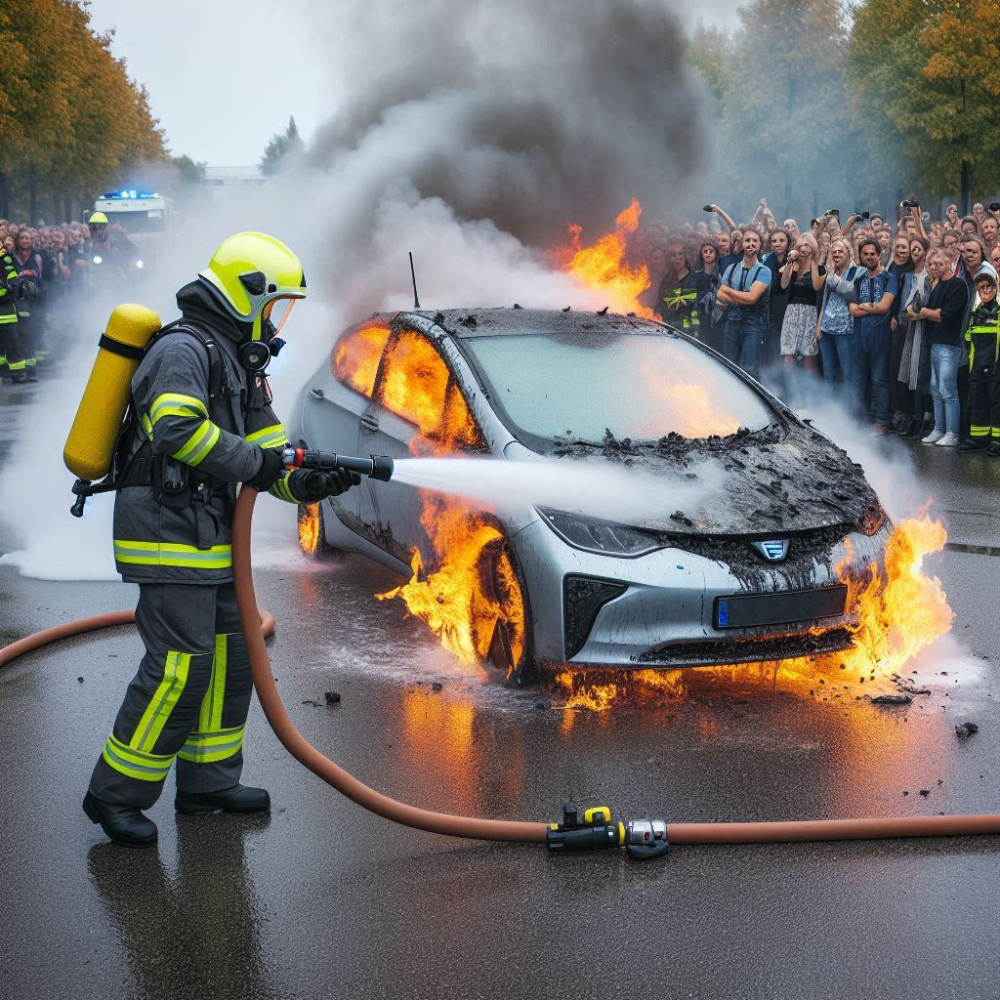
(783, 478)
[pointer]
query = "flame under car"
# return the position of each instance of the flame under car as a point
(764, 571)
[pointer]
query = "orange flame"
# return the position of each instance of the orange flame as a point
(470, 597)
(696, 413)
(898, 614)
(356, 357)
(309, 528)
(602, 266)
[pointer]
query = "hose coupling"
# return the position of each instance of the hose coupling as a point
(646, 838)
(584, 830)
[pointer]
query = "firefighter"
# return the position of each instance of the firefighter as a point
(13, 364)
(201, 423)
(28, 262)
(677, 296)
(983, 338)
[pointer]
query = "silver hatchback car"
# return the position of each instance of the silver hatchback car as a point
(763, 571)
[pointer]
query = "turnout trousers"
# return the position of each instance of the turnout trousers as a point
(188, 701)
(984, 403)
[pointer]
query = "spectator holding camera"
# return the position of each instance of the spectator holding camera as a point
(803, 276)
(836, 327)
(913, 371)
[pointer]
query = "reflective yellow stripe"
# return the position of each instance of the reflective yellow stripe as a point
(170, 554)
(178, 405)
(197, 447)
(210, 717)
(134, 764)
(281, 491)
(175, 674)
(207, 748)
(274, 436)
(147, 426)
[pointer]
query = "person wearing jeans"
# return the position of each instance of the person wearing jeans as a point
(944, 316)
(836, 328)
(872, 294)
(745, 289)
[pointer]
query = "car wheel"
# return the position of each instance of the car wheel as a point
(501, 624)
(312, 534)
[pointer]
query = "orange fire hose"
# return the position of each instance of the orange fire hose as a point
(486, 829)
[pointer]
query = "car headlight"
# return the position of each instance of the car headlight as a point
(606, 538)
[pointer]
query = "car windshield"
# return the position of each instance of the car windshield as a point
(638, 386)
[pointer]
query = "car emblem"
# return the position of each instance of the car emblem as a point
(773, 551)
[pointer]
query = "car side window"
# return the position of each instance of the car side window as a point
(357, 354)
(417, 385)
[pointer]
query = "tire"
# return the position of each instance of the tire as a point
(312, 532)
(507, 637)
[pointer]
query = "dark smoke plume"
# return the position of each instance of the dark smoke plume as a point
(526, 113)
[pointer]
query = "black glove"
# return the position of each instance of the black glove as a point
(271, 470)
(311, 485)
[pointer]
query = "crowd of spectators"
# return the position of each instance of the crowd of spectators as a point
(45, 274)
(898, 318)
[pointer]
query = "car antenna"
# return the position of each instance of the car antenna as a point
(413, 275)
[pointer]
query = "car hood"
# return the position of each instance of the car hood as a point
(779, 480)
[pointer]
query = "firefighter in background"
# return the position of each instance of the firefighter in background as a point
(983, 338)
(13, 364)
(201, 423)
(29, 266)
(677, 297)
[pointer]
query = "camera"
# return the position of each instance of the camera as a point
(863, 215)
(910, 203)
(707, 208)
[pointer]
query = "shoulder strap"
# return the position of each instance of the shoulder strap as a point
(216, 368)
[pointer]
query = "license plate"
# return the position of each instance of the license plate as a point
(783, 607)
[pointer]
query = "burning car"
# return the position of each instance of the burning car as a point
(765, 570)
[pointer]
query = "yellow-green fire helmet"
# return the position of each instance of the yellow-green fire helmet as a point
(97, 219)
(248, 271)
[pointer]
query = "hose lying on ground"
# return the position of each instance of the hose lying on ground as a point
(486, 829)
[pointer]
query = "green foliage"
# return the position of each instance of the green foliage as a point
(928, 75)
(282, 146)
(779, 84)
(189, 171)
(71, 119)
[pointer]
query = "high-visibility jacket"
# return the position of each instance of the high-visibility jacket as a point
(200, 421)
(983, 336)
(8, 289)
(30, 271)
(677, 302)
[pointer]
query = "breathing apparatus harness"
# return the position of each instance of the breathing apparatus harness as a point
(162, 471)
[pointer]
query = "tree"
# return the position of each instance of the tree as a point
(189, 171)
(282, 146)
(71, 120)
(927, 75)
(783, 129)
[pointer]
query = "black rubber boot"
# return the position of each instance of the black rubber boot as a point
(125, 825)
(994, 450)
(238, 799)
(974, 444)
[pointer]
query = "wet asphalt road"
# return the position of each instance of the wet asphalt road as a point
(323, 900)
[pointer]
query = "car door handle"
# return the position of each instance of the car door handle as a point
(369, 422)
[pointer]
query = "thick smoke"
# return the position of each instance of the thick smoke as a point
(467, 133)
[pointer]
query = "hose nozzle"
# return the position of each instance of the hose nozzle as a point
(375, 466)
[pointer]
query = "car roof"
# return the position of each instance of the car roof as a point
(466, 324)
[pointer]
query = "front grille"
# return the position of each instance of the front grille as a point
(719, 652)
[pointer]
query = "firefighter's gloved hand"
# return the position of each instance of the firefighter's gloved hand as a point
(311, 485)
(271, 470)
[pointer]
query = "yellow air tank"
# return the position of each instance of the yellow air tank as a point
(90, 446)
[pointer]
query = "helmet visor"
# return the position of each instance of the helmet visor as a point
(278, 311)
